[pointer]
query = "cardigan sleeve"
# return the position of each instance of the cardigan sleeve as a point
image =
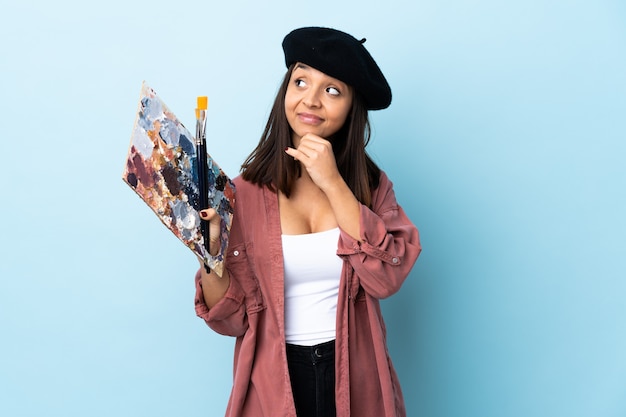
(228, 316)
(389, 244)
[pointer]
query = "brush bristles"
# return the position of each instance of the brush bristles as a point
(203, 102)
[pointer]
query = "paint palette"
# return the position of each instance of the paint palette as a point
(161, 167)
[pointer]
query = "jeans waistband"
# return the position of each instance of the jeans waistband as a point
(313, 354)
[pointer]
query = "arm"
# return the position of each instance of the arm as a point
(381, 244)
(388, 247)
(220, 301)
(228, 316)
(345, 207)
(213, 286)
(316, 156)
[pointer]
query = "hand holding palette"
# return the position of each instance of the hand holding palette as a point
(162, 167)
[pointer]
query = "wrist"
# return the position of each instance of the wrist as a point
(336, 187)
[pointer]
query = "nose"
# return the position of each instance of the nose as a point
(312, 99)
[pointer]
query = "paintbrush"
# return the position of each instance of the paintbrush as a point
(203, 186)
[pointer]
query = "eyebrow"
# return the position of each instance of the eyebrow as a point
(305, 67)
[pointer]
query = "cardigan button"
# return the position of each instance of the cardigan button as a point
(395, 260)
(236, 253)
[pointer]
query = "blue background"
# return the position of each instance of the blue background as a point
(505, 141)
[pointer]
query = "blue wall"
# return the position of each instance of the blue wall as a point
(505, 141)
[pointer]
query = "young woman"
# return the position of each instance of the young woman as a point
(317, 239)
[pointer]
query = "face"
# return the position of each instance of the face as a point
(316, 103)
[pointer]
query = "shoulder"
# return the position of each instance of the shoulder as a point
(243, 186)
(384, 184)
(384, 180)
(383, 195)
(248, 191)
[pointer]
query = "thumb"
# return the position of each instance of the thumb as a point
(210, 215)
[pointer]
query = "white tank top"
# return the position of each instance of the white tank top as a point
(312, 272)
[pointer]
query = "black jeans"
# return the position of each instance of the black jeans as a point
(312, 373)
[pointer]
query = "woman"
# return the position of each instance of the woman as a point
(317, 239)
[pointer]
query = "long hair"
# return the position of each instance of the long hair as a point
(269, 165)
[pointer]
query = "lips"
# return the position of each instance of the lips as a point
(309, 118)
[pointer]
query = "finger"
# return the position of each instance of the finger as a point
(297, 154)
(208, 214)
(315, 145)
(313, 138)
(214, 219)
(215, 223)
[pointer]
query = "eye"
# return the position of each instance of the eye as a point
(333, 91)
(300, 83)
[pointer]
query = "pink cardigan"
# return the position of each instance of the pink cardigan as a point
(253, 308)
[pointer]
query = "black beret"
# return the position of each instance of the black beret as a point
(341, 56)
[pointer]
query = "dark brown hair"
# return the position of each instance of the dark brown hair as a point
(269, 165)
